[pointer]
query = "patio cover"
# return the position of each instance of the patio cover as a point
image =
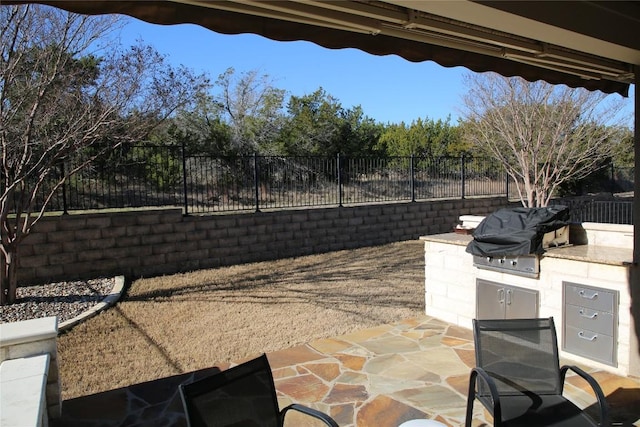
(578, 43)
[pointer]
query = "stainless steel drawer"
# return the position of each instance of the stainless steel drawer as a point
(597, 299)
(594, 345)
(586, 318)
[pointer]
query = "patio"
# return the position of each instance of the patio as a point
(382, 376)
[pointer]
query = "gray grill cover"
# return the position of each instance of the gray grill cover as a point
(516, 231)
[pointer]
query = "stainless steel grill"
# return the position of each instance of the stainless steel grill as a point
(513, 240)
(521, 265)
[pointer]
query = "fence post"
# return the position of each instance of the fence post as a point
(506, 183)
(65, 210)
(256, 181)
(412, 174)
(462, 169)
(613, 177)
(339, 172)
(184, 179)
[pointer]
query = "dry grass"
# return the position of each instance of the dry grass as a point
(179, 323)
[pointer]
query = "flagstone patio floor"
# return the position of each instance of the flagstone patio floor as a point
(414, 369)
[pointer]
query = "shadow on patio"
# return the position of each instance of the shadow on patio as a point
(382, 376)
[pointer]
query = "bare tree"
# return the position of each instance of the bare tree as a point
(62, 99)
(253, 109)
(544, 135)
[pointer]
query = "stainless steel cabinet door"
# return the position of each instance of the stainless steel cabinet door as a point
(490, 300)
(520, 303)
(498, 301)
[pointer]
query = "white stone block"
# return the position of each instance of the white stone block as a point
(493, 276)
(607, 272)
(434, 260)
(471, 221)
(623, 355)
(453, 263)
(624, 320)
(625, 297)
(546, 311)
(32, 348)
(552, 303)
(442, 302)
(450, 277)
(467, 310)
(428, 300)
(461, 294)
(29, 330)
(565, 266)
(615, 235)
(436, 288)
(466, 322)
(444, 315)
(22, 391)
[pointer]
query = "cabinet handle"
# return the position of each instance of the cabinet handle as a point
(584, 295)
(581, 335)
(582, 314)
(501, 296)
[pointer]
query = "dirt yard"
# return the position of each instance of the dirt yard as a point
(173, 324)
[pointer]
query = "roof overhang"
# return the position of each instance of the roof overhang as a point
(590, 44)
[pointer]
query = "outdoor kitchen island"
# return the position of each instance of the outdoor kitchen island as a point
(583, 285)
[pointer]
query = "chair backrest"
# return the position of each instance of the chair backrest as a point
(520, 354)
(242, 396)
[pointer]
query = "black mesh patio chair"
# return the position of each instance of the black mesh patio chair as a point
(518, 377)
(242, 396)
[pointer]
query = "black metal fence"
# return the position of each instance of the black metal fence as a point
(602, 211)
(147, 176)
(150, 176)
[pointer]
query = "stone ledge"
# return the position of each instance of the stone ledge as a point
(22, 391)
(28, 331)
(29, 338)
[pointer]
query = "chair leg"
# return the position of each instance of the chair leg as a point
(471, 396)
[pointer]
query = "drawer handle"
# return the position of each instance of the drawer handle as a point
(593, 316)
(584, 295)
(581, 335)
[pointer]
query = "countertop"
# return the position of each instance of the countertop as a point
(590, 253)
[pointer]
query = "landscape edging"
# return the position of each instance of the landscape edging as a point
(108, 301)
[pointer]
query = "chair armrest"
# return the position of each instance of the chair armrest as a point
(597, 390)
(309, 411)
(496, 410)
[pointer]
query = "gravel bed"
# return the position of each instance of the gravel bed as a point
(63, 299)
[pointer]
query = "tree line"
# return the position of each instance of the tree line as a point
(243, 113)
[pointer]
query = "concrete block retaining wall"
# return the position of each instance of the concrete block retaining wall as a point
(164, 241)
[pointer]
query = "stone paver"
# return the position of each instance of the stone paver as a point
(383, 376)
(405, 368)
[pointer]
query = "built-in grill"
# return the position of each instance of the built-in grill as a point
(521, 265)
(512, 240)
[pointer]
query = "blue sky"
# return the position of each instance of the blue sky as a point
(389, 89)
